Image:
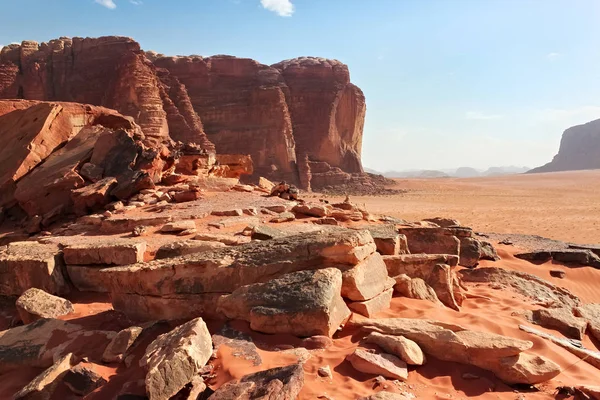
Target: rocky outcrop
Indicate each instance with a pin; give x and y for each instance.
(174, 358)
(502, 355)
(579, 149)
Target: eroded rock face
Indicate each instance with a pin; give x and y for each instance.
(304, 303)
(282, 383)
(174, 358)
(579, 149)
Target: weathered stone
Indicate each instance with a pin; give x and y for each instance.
(325, 372)
(173, 307)
(470, 252)
(434, 240)
(386, 365)
(313, 210)
(440, 277)
(224, 270)
(92, 197)
(186, 196)
(366, 280)
(591, 313)
(238, 212)
(558, 274)
(174, 358)
(25, 265)
(178, 226)
(303, 303)
(283, 217)
(225, 239)
(34, 304)
(388, 240)
(443, 222)
(415, 288)
(561, 319)
(114, 252)
(241, 344)
(116, 225)
(265, 232)
(177, 249)
(370, 307)
(119, 345)
(43, 385)
(283, 383)
(526, 284)
(500, 354)
(82, 380)
(406, 349)
(265, 184)
(40, 343)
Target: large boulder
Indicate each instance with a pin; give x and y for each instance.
(303, 303)
(434, 240)
(284, 383)
(35, 304)
(175, 358)
(561, 319)
(365, 280)
(25, 265)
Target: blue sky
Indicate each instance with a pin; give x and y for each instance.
(448, 83)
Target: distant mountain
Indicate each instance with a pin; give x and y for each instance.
(497, 171)
(579, 149)
(466, 172)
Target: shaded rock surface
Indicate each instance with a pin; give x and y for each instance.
(386, 365)
(35, 304)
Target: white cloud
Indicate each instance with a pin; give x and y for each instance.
(474, 115)
(553, 56)
(136, 2)
(107, 3)
(283, 8)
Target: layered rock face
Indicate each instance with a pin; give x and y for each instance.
(579, 149)
(300, 120)
(111, 72)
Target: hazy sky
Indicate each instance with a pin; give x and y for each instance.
(448, 83)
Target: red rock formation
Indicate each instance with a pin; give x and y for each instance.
(110, 71)
(243, 108)
(328, 112)
(579, 150)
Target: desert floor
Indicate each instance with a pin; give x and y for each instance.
(563, 206)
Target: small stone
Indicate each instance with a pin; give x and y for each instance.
(558, 274)
(283, 217)
(317, 342)
(178, 226)
(82, 380)
(139, 231)
(325, 372)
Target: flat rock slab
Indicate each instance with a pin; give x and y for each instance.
(434, 240)
(303, 303)
(179, 226)
(126, 224)
(35, 304)
(386, 365)
(114, 252)
(25, 265)
(527, 285)
(178, 249)
(283, 383)
(223, 271)
(38, 344)
(561, 319)
(175, 358)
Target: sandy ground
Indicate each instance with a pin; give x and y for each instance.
(563, 206)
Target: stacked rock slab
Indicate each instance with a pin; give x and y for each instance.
(190, 286)
(25, 265)
(436, 270)
(505, 357)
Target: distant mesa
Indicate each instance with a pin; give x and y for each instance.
(579, 150)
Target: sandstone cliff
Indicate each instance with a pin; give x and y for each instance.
(579, 149)
(300, 120)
